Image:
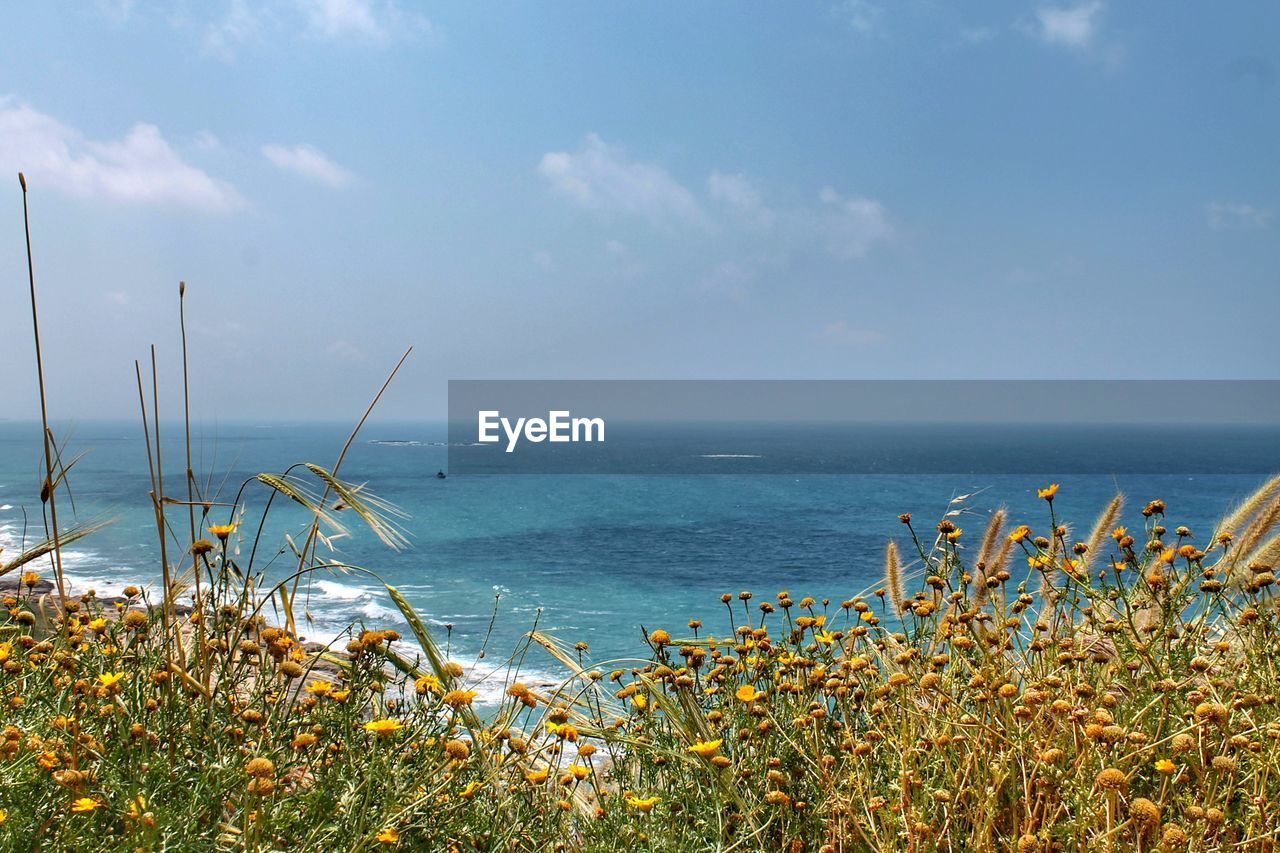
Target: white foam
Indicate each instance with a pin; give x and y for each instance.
(335, 591)
(373, 610)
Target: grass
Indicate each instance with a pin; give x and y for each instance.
(1019, 689)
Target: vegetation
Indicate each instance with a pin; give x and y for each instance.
(1021, 689)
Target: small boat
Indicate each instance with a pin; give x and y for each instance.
(440, 475)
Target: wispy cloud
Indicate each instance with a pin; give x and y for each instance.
(853, 226)
(118, 11)
(361, 19)
(730, 280)
(863, 16)
(601, 177)
(741, 197)
(1074, 26)
(544, 260)
(225, 27)
(977, 35)
(345, 350)
(840, 333)
(141, 167)
(308, 162)
(1226, 215)
(237, 24)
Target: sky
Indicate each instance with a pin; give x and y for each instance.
(583, 190)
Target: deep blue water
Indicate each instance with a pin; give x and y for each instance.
(594, 557)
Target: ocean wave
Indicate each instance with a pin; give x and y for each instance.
(374, 610)
(336, 591)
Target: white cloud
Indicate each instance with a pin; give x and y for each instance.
(223, 27)
(840, 333)
(118, 11)
(543, 260)
(239, 24)
(977, 35)
(738, 193)
(337, 19)
(1225, 215)
(730, 279)
(345, 350)
(853, 226)
(1069, 26)
(141, 167)
(308, 162)
(864, 16)
(602, 177)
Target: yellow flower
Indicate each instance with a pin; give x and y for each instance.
(748, 693)
(339, 695)
(536, 776)
(1020, 533)
(1165, 766)
(1038, 561)
(579, 772)
(564, 731)
(222, 531)
(320, 688)
(955, 535)
(6, 651)
(389, 836)
(1047, 494)
(85, 804)
(644, 804)
(1167, 555)
(640, 700)
(98, 624)
(459, 698)
(109, 678)
(825, 637)
(426, 684)
(30, 578)
(1119, 533)
(4, 815)
(383, 727)
(706, 748)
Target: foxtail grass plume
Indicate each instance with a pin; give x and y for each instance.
(1101, 530)
(993, 543)
(893, 576)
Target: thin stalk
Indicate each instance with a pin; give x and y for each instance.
(308, 548)
(186, 421)
(44, 410)
(157, 498)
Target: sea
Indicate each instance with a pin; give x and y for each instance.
(596, 558)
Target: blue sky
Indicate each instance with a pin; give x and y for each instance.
(591, 190)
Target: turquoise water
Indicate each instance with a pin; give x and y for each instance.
(588, 557)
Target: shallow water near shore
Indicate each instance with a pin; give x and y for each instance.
(588, 558)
